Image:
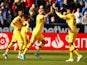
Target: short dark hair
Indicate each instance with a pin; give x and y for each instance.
(70, 8)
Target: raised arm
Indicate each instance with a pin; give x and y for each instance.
(51, 12)
(61, 16)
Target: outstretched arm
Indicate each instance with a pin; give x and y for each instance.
(51, 12)
(61, 16)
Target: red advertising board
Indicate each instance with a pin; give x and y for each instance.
(54, 41)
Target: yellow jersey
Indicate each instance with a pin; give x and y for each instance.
(24, 29)
(17, 23)
(71, 21)
(39, 24)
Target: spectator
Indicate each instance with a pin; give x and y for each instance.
(32, 14)
(52, 19)
(7, 6)
(29, 3)
(85, 1)
(18, 2)
(10, 2)
(82, 2)
(84, 19)
(5, 2)
(75, 4)
(66, 4)
(59, 3)
(33, 9)
(84, 9)
(4, 12)
(40, 2)
(0, 1)
(14, 9)
(48, 5)
(25, 9)
(9, 17)
(78, 16)
(1, 18)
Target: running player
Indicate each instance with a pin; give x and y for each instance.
(37, 32)
(17, 24)
(72, 32)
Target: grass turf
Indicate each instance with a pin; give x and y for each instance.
(47, 58)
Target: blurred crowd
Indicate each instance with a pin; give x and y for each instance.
(9, 8)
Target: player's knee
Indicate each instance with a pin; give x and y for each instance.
(40, 46)
(75, 49)
(8, 48)
(71, 51)
(31, 43)
(13, 42)
(71, 44)
(43, 42)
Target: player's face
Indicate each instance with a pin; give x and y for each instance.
(68, 11)
(20, 13)
(41, 10)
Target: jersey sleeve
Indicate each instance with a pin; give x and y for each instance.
(14, 22)
(61, 16)
(41, 16)
(15, 19)
(12, 25)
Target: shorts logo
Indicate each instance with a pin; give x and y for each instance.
(4, 40)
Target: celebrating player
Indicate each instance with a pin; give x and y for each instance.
(37, 32)
(17, 24)
(72, 32)
(25, 30)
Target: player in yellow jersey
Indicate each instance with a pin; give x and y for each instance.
(17, 24)
(37, 32)
(24, 31)
(72, 32)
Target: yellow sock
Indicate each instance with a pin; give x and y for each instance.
(41, 46)
(19, 52)
(71, 54)
(28, 46)
(7, 51)
(25, 50)
(9, 46)
(76, 52)
(24, 47)
(72, 47)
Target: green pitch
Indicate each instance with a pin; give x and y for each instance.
(48, 58)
